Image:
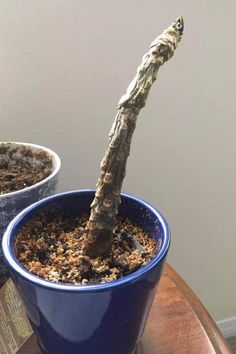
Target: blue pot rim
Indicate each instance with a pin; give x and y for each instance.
(15, 266)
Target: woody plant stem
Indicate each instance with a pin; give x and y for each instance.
(104, 208)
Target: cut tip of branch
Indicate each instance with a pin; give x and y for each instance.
(178, 24)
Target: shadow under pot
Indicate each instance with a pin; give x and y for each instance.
(104, 318)
(28, 173)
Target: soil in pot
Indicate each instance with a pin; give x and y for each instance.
(53, 250)
(20, 167)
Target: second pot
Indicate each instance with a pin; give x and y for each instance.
(13, 202)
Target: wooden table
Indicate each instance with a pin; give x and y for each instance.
(178, 323)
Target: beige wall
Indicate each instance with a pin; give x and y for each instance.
(63, 67)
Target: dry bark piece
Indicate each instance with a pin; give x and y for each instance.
(135, 244)
(104, 208)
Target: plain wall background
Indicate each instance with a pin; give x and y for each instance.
(63, 67)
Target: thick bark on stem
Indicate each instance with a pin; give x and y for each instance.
(104, 208)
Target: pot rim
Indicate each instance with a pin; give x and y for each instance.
(46, 284)
(55, 170)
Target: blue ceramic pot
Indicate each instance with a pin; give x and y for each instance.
(12, 203)
(103, 319)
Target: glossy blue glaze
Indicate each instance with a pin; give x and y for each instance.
(103, 319)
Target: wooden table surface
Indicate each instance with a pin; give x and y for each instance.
(178, 323)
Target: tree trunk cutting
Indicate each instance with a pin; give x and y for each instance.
(104, 207)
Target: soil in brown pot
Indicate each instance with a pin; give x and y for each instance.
(53, 250)
(20, 167)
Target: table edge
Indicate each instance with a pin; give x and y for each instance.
(215, 336)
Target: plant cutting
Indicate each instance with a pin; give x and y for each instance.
(88, 281)
(28, 173)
